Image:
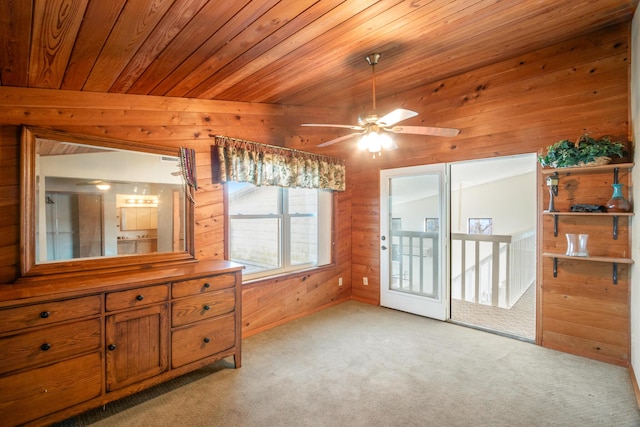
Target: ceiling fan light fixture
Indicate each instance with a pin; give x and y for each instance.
(103, 187)
(375, 141)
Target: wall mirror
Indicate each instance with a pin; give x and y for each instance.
(91, 203)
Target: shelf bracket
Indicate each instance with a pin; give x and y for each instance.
(555, 225)
(615, 227)
(555, 267)
(615, 273)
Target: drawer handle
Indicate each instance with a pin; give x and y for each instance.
(112, 347)
(45, 346)
(45, 314)
(140, 297)
(206, 307)
(207, 285)
(206, 340)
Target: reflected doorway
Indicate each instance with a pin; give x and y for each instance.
(493, 238)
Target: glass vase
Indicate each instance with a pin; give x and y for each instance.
(577, 244)
(618, 203)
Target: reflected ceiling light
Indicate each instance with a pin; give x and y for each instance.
(103, 187)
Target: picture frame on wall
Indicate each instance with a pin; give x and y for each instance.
(480, 226)
(431, 225)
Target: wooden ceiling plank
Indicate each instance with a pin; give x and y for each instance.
(301, 29)
(180, 14)
(211, 17)
(247, 65)
(487, 53)
(440, 63)
(446, 30)
(266, 26)
(230, 29)
(368, 28)
(15, 40)
(99, 19)
(134, 25)
(56, 25)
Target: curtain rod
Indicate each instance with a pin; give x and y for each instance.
(277, 147)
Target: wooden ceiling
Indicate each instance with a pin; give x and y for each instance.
(294, 52)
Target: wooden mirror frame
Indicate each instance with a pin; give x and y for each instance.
(28, 264)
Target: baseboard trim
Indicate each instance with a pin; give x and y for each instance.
(365, 300)
(251, 332)
(634, 381)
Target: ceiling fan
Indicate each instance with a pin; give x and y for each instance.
(375, 130)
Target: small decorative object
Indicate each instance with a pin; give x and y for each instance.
(618, 203)
(582, 207)
(577, 244)
(552, 183)
(586, 151)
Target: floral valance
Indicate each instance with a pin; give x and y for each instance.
(263, 165)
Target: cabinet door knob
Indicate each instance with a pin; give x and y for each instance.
(206, 340)
(45, 346)
(207, 285)
(44, 314)
(140, 297)
(206, 307)
(112, 347)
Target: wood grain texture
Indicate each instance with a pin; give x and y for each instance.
(55, 26)
(289, 52)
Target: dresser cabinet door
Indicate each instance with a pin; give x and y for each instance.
(137, 345)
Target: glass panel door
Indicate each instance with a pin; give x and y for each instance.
(413, 240)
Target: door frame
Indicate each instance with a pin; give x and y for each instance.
(429, 307)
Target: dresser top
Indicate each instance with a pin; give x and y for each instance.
(34, 289)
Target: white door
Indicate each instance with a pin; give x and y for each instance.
(413, 240)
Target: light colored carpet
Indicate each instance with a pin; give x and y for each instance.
(360, 365)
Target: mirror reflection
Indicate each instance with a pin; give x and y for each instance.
(103, 202)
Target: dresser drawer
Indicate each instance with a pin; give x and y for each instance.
(48, 345)
(50, 312)
(202, 339)
(201, 307)
(205, 284)
(137, 297)
(39, 392)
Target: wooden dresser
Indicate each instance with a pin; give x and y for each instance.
(70, 344)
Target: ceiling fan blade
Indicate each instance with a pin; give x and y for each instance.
(328, 125)
(341, 138)
(395, 116)
(424, 130)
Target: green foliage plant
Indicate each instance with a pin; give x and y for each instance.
(584, 151)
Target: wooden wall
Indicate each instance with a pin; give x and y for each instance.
(517, 106)
(512, 107)
(174, 122)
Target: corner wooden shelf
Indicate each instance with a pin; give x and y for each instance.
(587, 169)
(613, 260)
(613, 215)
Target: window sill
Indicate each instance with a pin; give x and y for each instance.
(304, 274)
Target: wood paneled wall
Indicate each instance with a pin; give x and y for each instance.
(512, 107)
(174, 122)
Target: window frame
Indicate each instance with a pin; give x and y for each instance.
(326, 209)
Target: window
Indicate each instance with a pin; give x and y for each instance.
(274, 230)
